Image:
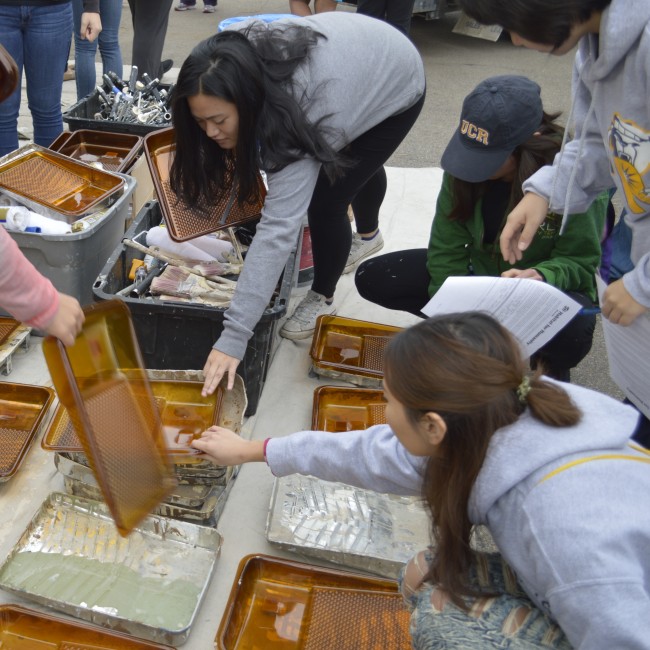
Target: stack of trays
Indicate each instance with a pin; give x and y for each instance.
(203, 487)
(350, 350)
(286, 605)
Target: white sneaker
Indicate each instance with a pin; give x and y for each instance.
(362, 248)
(302, 323)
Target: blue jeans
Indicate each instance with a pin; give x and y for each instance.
(38, 39)
(110, 12)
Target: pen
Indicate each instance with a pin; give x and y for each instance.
(589, 311)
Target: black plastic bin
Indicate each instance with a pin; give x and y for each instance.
(180, 335)
(82, 116)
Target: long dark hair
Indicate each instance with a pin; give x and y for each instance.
(253, 70)
(467, 368)
(537, 151)
(547, 22)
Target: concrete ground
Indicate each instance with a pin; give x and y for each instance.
(454, 65)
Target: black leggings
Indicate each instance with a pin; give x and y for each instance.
(363, 186)
(400, 280)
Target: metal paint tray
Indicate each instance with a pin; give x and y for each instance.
(278, 604)
(101, 382)
(150, 584)
(116, 152)
(182, 221)
(7, 327)
(351, 350)
(356, 528)
(64, 186)
(184, 413)
(22, 628)
(347, 409)
(22, 409)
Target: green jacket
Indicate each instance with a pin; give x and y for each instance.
(568, 262)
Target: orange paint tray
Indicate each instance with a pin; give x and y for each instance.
(22, 409)
(184, 412)
(279, 604)
(352, 350)
(347, 409)
(182, 221)
(22, 628)
(59, 183)
(7, 327)
(116, 152)
(102, 383)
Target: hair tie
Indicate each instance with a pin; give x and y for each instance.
(523, 389)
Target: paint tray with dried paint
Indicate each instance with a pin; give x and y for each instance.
(339, 408)
(22, 628)
(279, 604)
(102, 383)
(350, 350)
(22, 409)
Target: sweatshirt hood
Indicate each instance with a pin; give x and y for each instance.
(622, 24)
(520, 450)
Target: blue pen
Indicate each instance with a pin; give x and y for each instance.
(589, 311)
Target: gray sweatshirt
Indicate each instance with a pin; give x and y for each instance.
(365, 72)
(611, 109)
(579, 541)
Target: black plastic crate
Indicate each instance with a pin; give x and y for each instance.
(176, 335)
(82, 116)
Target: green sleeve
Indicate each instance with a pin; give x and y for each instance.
(576, 253)
(448, 252)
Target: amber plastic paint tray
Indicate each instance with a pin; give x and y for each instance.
(7, 327)
(184, 412)
(22, 409)
(347, 409)
(22, 628)
(57, 182)
(102, 384)
(150, 584)
(182, 221)
(278, 604)
(116, 152)
(353, 350)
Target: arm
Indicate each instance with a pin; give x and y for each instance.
(448, 253)
(372, 458)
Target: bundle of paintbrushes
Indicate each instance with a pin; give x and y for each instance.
(176, 282)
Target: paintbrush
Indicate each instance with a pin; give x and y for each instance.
(175, 281)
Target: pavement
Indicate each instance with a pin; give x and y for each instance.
(454, 65)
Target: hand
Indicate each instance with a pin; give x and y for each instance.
(217, 365)
(523, 273)
(521, 226)
(225, 447)
(91, 25)
(67, 321)
(618, 306)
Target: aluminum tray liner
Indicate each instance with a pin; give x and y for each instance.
(150, 584)
(22, 410)
(183, 222)
(350, 350)
(338, 408)
(288, 605)
(63, 187)
(101, 382)
(355, 528)
(22, 628)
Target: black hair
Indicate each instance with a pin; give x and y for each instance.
(547, 22)
(253, 70)
(538, 151)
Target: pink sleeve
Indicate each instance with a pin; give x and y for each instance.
(27, 295)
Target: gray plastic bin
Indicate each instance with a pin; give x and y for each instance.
(72, 262)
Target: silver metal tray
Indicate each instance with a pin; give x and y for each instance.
(345, 525)
(149, 584)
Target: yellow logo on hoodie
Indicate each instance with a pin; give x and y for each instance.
(630, 147)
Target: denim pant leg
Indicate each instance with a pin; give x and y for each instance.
(46, 47)
(84, 55)
(11, 37)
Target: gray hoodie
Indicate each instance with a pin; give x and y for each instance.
(611, 109)
(579, 540)
(365, 72)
